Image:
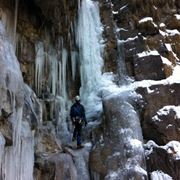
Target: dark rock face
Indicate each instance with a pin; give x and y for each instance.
(111, 46)
(147, 28)
(144, 21)
(160, 96)
(149, 67)
(163, 158)
(6, 129)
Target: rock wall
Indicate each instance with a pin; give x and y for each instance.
(150, 36)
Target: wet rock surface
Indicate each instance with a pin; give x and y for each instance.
(119, 149)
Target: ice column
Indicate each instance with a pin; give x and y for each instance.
(39, 69)
(89, 35)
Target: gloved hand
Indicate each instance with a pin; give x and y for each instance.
(73, 121)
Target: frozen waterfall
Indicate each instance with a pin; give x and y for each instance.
(16, 160)
(89, 35)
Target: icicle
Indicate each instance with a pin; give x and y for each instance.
(63, 80)
(27, 152)
(59, 78)
(15, 22)
(54, 73)
(12, 154)
(40, 64)
(73, 64)
(2, 145)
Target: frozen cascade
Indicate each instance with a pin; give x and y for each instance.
(39, 68)
(123, 77)
(18, 159)
(21, 155)
(63, 74)
(73, 63)
(89, 34)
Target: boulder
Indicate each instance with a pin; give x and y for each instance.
(157, 126)
(149, 67)
(46, 140)
(163, 158)
(55, 166)
(148, 27)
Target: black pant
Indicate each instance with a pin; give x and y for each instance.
(77, 133)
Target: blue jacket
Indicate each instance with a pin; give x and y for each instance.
(77, 110)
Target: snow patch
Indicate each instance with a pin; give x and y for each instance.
(177, 16)
(159, 175)
(166, 61)
(162, 25)
(145, 19)
(163, 33)
(173, 32)
(115, 12)
(127, 40)
(173, 147)
(149, 90)
(136, 143)
(165, 111)
(168, 126)
(148, 53)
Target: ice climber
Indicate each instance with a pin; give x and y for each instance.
(78, 118)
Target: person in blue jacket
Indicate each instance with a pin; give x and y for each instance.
(78, 118)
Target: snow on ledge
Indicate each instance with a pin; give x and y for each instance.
(173, 148)
(146, 19)
(162, 25)
(148, 53)
(173, 32)
(165, 111)
(177, 16)
(166, 61)
(115, 12)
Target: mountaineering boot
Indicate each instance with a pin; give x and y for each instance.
(79, 146)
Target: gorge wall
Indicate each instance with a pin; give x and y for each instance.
(122, 57)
